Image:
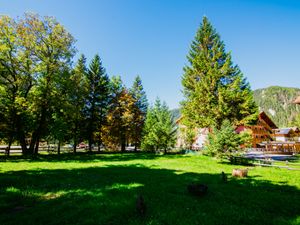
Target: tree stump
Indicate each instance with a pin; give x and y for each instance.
(140, 206)
(223, 177)
(240, 172)
(197, 189)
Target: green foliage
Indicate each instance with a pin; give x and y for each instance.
(225, 142)
(35, 53)
(139, 111)
(277, 102)
(214, 89)
(160, 129)
(120, 116)
(43, 97)
(296, 121)
(97, 101)
(77, 94)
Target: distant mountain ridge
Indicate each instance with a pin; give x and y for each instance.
(275, 101)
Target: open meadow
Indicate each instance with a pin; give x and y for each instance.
(103, 188)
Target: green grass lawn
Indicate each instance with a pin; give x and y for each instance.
(102, 189)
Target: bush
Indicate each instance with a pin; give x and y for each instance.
(225, 142)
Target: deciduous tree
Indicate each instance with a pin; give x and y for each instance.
(52, 48)
(120, 116)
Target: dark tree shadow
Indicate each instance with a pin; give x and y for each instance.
(86, 157)
(106, 195)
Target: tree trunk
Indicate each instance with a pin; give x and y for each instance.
(123, 141)
(32, 143)
(99, 145)
(90, 144)
(7, 150)
(99, 140)
(123, 147)
(75, 144)
(21, 134)
(38, 132)
(58, 147)
(36, 150)
(100, 134)
(23, 144)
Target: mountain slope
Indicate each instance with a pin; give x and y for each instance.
(277, 102)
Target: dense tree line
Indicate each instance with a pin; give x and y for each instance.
(44, 97)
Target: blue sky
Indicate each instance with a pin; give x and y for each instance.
(152, 37)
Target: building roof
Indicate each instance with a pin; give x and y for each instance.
(262, 115)
(295, 129)
(283, 131)
(297, 100)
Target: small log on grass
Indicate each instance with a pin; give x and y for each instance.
(140, 206)
(223, 177)
(197, 189)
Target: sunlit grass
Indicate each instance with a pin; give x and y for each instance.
(102, 189)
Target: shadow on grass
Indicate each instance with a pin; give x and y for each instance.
(86, 156)
(106, 195)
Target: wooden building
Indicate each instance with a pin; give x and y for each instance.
(262, 131)
(266, 136)
(200, 139)
(287, 134)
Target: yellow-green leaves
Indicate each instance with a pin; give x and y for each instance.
(34, 54)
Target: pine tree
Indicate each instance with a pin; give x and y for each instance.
(97, 100)
(214, 89)
(139, 111)
(225, 142)
(160, 129)
(77, 93)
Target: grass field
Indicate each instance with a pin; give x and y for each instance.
(102, 189)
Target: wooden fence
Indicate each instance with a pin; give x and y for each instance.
(49, 149)
(278, 148)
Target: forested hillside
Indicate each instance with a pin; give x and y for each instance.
(277, 102)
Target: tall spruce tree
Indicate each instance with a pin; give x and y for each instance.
(97, 100)
(139, 111)
(77, 93)
(214, 88)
